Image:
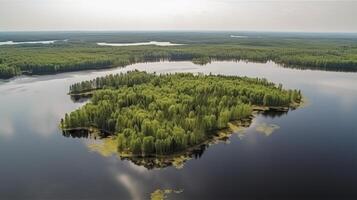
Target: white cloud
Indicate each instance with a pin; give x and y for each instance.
(296, 15)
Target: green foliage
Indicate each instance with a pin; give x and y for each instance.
(337, 54)
(162, 114)
(8, 72)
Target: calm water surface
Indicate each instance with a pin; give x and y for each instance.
(32, 42)
(313, 153)
(138, 44)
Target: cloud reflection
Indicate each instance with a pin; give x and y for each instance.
(6, 127)
(346, 91)
(128, 182)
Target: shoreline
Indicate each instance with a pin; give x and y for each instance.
(177, 159)
(197, 60)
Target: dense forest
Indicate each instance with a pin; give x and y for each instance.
(8, 72)
(154, 114)
(339, 55)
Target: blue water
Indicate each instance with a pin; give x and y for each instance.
(312, 155)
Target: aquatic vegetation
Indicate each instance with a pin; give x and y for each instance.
(163, 194)
(178, 162)
(105, 147)
(156, 115)
(238, 128)
(266, 129)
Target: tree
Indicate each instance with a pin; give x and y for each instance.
(176, 111)
(148, 145)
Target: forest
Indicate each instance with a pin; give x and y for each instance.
(38, 59)
(151, 114)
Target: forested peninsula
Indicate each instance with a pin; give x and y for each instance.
(155, 115)
(38, 59)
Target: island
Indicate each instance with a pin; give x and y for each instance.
(158, 115)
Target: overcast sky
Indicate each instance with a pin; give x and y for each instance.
(266, 15)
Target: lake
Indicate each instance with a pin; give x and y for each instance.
(31, 42)
(308, 152)
(138, 44)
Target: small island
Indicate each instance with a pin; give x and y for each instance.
(151, 115)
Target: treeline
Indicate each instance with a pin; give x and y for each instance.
(40, 69)
(161, 114)
(323, 62)
(8, 72)
(112, 81)
(78, 56)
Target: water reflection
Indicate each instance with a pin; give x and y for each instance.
(6, 127)
(85, 133)
(139, 44)
(330, 68)
(312, 155)
(80, 98)
(130, 185)
(274, 114)
(107, 147)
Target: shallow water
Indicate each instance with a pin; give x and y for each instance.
(308, 152)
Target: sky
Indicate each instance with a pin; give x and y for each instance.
(234, 15)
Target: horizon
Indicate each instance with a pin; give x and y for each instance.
(178, 99)
(178, 31)
(179, 15)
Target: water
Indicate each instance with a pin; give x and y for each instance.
(239, 36)
(312, 153)
(138, 44)
(32, 42)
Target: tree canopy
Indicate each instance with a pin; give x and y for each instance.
(74, 56)
(161, 114)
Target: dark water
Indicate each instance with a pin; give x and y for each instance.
(312, 155)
